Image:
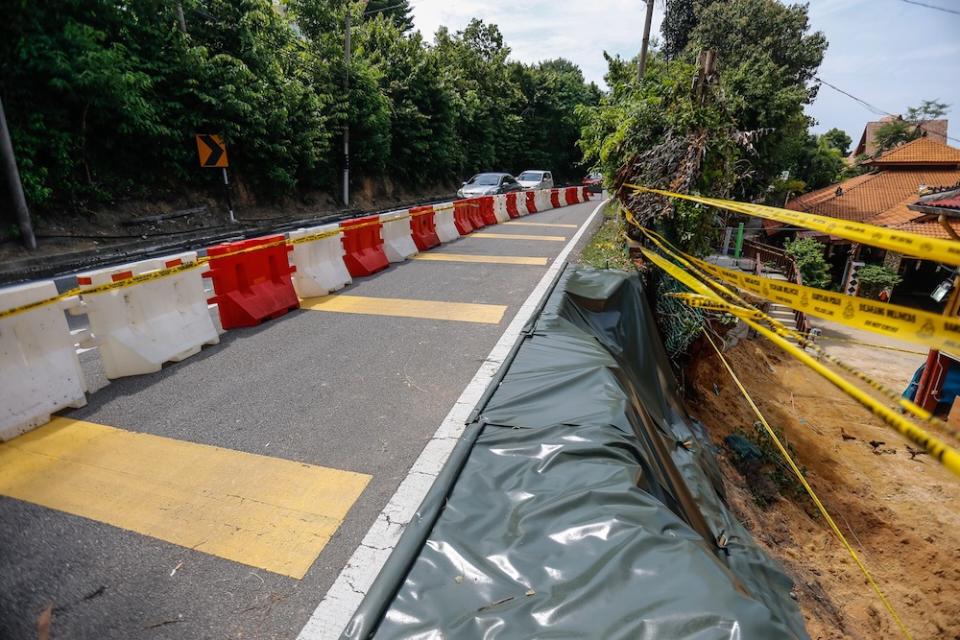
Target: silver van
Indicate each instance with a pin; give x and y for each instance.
(535, 179)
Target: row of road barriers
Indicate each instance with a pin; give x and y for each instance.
(146, 313)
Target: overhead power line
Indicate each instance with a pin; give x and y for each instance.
(874, 109)
(932, 6)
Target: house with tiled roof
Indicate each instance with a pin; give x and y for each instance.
(935, 130)
(884, 197)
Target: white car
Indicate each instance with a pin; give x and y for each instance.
(535, 179)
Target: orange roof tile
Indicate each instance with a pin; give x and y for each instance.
(866, 197)
(922, 151)
(930, 228)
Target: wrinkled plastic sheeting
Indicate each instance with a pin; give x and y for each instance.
(563, 522)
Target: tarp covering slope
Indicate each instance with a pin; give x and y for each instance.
(582, 503)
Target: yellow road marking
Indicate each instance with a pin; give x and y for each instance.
(558, 225)
(463, 257)
(517, 236)
(429, 309)
(264, 512)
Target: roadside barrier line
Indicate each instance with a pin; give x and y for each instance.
(336, 609)
(203, 260)
(945, 454)
(799, 474)
(782, 330)
(937, 249)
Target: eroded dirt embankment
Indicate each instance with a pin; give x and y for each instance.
(900, 511)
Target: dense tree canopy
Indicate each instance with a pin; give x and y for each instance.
(731, 128)
(104, 96)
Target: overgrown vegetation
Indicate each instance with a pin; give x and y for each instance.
(809, 256)
(726, 124)
(719, 112)
(607, 250)
(756, 456)
(902, 130)
(875, 278)
(104, 96)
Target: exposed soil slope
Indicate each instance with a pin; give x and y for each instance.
(902, 514)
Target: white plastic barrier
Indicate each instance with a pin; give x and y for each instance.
(320, 266)
(139, 327)
(39, 369)
(443, 218)
(543, 200)
(500, 207)
(397, 241)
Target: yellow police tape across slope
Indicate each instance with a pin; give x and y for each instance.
(947, 455)
(893, 320)
(805, 343)
(936, 249)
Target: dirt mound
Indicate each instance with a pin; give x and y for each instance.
(900, 511)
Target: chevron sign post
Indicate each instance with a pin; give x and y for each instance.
(212, 153)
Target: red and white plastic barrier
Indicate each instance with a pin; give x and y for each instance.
(542, 199)
(446, 227)
(423, 227)
(319, 263)
(529, 202)
(139, 327)
(398, 244)
(39, 370)
(363, 246)
(500, 208)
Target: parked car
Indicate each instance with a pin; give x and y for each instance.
(488, 184)
(594, 182)
(535, 179)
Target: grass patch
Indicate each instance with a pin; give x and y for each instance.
(607, 249)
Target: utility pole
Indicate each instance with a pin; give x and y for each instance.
(346, 124)
(642, 65)
(14, 186)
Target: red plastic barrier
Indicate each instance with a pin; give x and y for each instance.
(555, 198)
(584, 194)
(512, 205)
(486, 210)
(531, 198)
(570, 195)
(423, 228)
(251, 286)
(364, 246)
(461, 217)
(473, 211)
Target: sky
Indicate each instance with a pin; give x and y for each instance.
(889, 53)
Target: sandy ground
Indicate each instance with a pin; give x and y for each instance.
(901, 514)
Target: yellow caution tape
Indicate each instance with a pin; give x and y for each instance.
(947, 455)
(712, 305)
(936, 249)
(896, 321)
(813, 496)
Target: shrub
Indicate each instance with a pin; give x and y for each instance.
(874, 278)
(808, 254)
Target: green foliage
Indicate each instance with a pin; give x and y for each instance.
(808, 254)
(902, 130)
(679, 19)
(104, 97)
(396, 11)
(839, 140)
(874, 278)
(607, 250)
(731, 133)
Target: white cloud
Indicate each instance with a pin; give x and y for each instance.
(537, 30)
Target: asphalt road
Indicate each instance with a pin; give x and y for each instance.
(358, 393)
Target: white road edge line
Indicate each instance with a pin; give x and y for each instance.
(336, 609)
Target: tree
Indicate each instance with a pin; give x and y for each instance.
(397, 11)
(808, 254)
(902, 130)
(679, 19)
(875, 278)
(839, 140)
